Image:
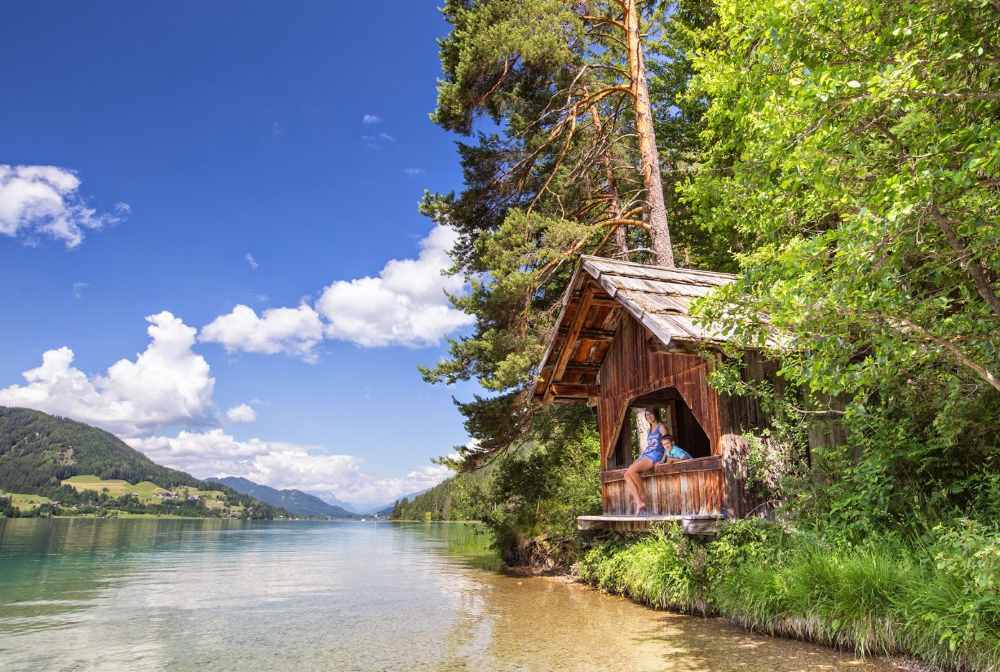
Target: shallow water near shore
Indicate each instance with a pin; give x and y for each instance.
(112, 595)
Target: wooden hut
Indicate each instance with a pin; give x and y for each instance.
(624, 340)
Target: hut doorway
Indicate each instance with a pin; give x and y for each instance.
(674, 413)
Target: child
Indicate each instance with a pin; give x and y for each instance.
(671, 451)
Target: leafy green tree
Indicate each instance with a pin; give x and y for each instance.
(539, 490)
(853, 148)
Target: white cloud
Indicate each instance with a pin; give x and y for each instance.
(241, 413)
(283, 465)
(251, 262)
(45, 200)
(386, 137)
(371, 119)
(167, 383)
(412, 172)
(203, 454)
(376, 491)
(404, 305)
(78, 288)
(294, 331)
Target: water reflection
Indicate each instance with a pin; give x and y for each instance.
(219, 595)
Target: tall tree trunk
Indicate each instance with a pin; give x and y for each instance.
(649, 156)
(641, 426)
(614, 200)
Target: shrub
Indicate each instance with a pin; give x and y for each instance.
(951, 613)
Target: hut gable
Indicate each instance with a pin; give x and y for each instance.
(600, 293)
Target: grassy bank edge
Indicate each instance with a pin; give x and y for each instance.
(883, 599)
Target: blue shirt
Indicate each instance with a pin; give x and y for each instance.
(679, 453)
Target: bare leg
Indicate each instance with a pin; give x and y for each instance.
(633, 481)
(640, 495)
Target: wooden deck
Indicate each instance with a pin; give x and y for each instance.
(700, 524)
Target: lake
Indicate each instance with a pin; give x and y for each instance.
(207, 595)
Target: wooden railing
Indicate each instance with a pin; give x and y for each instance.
(691, 487)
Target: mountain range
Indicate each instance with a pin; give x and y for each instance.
(295, 502)
(307, 504)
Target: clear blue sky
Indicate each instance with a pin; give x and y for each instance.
(228, 128)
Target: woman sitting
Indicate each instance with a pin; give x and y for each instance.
(660, 448)
(654, 453)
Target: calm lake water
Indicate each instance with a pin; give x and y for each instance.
(136, 595)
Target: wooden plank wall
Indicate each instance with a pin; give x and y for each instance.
(631, 369)
(693, 487)
(739, 415)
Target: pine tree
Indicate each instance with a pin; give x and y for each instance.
(570, 166)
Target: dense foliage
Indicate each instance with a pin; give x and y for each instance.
(843, 157)
(854, 146)
(529, 497)
(554, 177)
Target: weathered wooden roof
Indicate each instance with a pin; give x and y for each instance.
(659, 298)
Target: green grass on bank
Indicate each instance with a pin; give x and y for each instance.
(28, 503)
(146, 492)
(24, 502)
(937, 600)
(153, 501)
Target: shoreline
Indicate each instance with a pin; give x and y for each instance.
(568, 577)
(904, 663)
(855, 600)
(873, 600)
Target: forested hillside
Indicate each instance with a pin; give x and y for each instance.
(530, 496)
(39, 451)
(456, 498)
